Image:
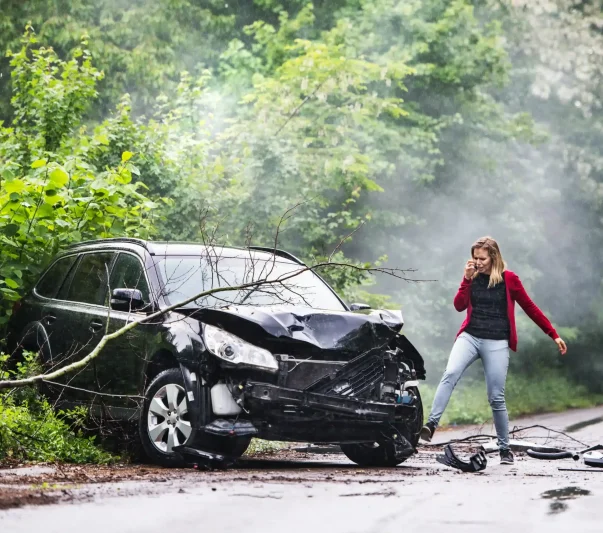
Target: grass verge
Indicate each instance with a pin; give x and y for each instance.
(525, 395)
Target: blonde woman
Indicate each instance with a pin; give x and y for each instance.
(488, 292)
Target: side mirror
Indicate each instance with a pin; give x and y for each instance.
(127, 300)
(359, 307)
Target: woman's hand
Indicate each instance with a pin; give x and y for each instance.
(562, 345)
(469, 269)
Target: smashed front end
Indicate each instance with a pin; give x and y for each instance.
(312, 376)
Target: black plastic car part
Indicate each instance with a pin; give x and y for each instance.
(561, 454)
(356, 379)
(476, 462)
(264, 395)
(402, 448)
(207, 460)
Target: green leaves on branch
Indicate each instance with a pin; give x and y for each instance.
(51, 191)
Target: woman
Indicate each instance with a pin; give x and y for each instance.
(488, 292)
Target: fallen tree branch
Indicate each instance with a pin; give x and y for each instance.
(93, 392)
(516, 430)
(32, 380)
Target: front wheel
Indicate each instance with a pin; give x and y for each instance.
(381, 454)
(164, 423)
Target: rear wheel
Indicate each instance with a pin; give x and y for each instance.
(381, 454)
(165, 423)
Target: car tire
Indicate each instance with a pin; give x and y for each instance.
(382, 454)
(159, 431)
(414, 428)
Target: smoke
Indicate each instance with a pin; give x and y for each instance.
(539, 201)
(535, 199)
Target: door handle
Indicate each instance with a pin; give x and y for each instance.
(49, 319)
(95, 325)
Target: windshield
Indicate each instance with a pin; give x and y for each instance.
(186, 276)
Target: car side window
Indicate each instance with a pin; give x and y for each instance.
(89, 283)
(128, 273)
(51, 282)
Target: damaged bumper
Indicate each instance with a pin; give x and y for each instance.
(266, 397)
(274, 412)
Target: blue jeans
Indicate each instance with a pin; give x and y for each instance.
(495, 357)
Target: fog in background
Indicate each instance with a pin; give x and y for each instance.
(540, 201)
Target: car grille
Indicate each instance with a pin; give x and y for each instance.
(356, 379)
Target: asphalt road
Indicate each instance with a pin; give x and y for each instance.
(298, 492)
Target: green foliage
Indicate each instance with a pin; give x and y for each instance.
(51, 191)
(30, 429)
(308, 109)
(264, 447)
(137, 44)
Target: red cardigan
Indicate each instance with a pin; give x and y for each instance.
(515, 293)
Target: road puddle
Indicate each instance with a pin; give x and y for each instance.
(560, 495)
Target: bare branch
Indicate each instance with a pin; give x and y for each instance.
(109, 297)
(93, 392)
(343, 240)
(303, 102)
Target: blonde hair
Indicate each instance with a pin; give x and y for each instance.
(498, 263)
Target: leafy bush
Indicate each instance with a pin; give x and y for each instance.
(30, 429)
(51, 192)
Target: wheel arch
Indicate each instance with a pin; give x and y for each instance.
(161, 360)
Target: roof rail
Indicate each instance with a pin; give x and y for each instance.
(131, 240)
(278, 253)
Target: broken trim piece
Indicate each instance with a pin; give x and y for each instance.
(476, 462)
(593, 458)
(208, 460)
(518, 445)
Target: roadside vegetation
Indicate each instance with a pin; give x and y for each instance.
(469, 403)
(31, 430)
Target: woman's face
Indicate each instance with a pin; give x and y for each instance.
(482, 260)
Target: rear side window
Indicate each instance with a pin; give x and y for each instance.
(128, 274)
(51, 282)
(89, 283)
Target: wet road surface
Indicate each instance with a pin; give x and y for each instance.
(310, 492)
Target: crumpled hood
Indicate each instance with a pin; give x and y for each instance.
(303, 329)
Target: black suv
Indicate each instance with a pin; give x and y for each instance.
(284, 361)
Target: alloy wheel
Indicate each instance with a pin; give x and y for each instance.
(167, 420)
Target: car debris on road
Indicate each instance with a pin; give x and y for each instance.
(476, 463)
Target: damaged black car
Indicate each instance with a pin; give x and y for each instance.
(285, 360)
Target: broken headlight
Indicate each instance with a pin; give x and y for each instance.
(231, 348)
